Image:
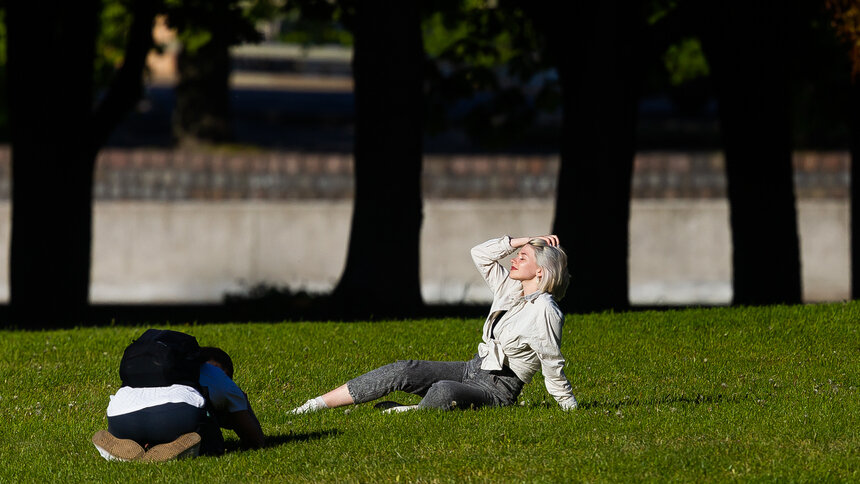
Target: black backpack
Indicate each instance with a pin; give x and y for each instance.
(160, 358)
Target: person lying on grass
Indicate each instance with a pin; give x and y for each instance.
(157, 424)
(521, 335)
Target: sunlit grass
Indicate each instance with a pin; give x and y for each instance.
(696, 395)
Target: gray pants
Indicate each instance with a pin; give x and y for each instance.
(443, 384)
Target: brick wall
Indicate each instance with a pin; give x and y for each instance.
(158, 174)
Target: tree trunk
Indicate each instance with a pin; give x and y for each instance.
(56, 134)
(747, 45)
(50, 66)
(600, 70)
(381, 276)
(202, 112)
(855, 187)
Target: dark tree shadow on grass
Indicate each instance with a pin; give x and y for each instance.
(260, 304)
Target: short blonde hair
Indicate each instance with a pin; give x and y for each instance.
(553, 261)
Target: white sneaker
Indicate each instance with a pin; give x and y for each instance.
(400, 408)
(311, 405)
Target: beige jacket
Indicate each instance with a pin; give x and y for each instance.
(528, 336)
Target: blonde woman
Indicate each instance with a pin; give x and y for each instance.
(521, 335)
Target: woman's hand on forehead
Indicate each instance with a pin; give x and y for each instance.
(549, 239)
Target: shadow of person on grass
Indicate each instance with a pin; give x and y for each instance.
(233, 445)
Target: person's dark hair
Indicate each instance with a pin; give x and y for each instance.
(218, 355)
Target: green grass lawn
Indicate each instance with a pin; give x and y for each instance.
(749, 394)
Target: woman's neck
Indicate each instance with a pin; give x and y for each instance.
(530, 286)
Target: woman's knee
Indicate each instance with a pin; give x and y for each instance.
(405, 366)
(382, 380)
(440, 395)
(404, 372)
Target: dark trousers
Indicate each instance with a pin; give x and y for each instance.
(158, 424)
(165, 423)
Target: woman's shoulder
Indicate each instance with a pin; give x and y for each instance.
(546, 302)
(546, 299)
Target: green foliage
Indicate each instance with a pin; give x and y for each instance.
(199, 21)
(713, 395)
(685, 61)
(440, 32)
(490, 59)
(307, 31)
(318, 22)
(822, 74)
(194, 39)
(477, 34)
(114, 23)
(846, 22)
(481, 58)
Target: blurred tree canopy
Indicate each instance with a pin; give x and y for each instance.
(199, 24)
(324, 26)
(206, 31)
(114, 24)
(489, 75)
(685, 61)
(486, 61)
(846, 23)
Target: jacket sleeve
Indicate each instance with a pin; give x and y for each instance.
(548, 349)
(486, 257)
(224, 394)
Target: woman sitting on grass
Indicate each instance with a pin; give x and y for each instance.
(521, 336)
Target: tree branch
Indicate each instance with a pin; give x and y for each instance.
(683, 21)
(127, 85)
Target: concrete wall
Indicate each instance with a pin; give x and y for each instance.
(680, 251)
(198, 251)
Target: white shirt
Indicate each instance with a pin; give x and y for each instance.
(223, 393)
(129, 399)
(528, 336)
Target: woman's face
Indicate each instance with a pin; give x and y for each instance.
(524, 265)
